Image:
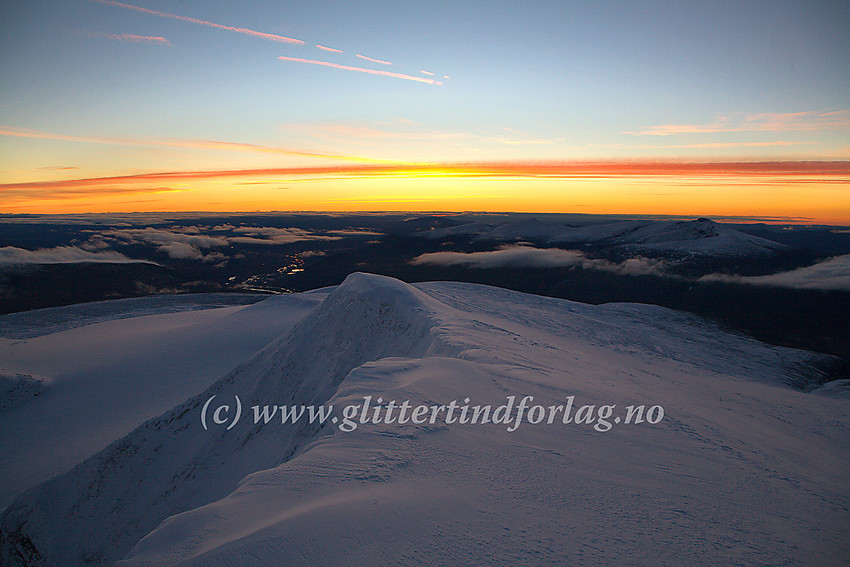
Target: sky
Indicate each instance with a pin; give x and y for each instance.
(722, 109)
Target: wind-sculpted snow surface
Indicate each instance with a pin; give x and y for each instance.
(69, 392)
(38, 322)
(744, 468)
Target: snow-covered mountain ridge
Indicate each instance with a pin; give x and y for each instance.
(743, 468)
(701, 236)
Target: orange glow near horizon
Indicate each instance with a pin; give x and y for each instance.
(805, 192)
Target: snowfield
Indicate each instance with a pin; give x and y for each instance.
(38, 322)
(748, 465)
(70, 388)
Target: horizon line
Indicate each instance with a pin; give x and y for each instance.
(721, 219)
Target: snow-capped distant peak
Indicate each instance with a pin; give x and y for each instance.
(700, 236)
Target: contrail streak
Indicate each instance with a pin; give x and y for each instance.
(246, 31)
(276, 38)
(155, 40)
(363, 70)
(382, 62)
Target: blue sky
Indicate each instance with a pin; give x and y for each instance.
(85, 80)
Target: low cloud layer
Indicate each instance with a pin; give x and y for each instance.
(163, 237)
(200, 242)
(530, 257)
(11, 256)
(186, 245)
(506, 257)
(270, 235)
(355, 232)
(832, 274)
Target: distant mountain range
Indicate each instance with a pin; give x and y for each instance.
(701, 236)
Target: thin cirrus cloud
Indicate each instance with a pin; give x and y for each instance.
(175, 142)
(74, 190)
(716, 145)
(382, 130)
(246, 31)
(362, 70)
(517, 137)
(761, 122)
(149, 39)
(522, 141)
(795, 171)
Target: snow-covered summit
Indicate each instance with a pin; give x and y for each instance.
(733, 473)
